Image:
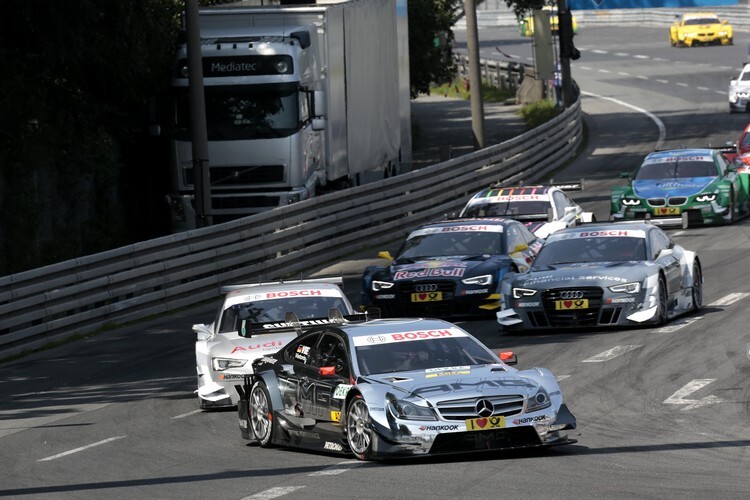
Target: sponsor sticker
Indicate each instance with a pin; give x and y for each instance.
(567, 305)
(517, 197)
(666, 210)
(341, 391)
(449, 272)
(528, 304)
(447, 427)
(465, 228)
(335, 416)
(529, 420)
(389, 338)
(285, 294)
(621, 300)
(274, 345)
(332, 446)
(485, 424)
(302, 353)
(447, 374)
(427, 297)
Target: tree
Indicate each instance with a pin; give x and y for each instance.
(431, 42)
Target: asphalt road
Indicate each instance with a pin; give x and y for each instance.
(662, 413)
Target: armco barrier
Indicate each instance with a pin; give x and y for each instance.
(79, 296)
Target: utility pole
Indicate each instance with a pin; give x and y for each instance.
(199, 135)
(475, 75)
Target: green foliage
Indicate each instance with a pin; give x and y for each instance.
(429, 62)
(458, 88)
(538, 113)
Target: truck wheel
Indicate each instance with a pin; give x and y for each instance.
(261, 414)
(359, 433)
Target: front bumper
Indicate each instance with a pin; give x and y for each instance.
(408, 438)
(479, 302)
(689, 215)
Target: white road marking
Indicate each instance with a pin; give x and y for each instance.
(642, 77)
(662, 81)
(70, 452)
(677, 325)
(562, 377)
(611, 353)
(678, 398)
(640, 56)
(599, 51)
(338, 468)
(678, 233)
(703, 88)
(187, 414)
(654, 118)
(273, 493)
(622, 54)
(623, 73)
(587, 68)
(604, 71)
(728, 299)
(720, 92)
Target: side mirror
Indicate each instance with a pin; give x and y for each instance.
(203, 331)
(508, 357)
(666, 252)
(327, 371)
(385, 255)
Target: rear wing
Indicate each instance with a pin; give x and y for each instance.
(293, 323)
(565, 186)
(336, 280)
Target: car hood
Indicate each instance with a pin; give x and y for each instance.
(586, 274)
(665, 188)
(456, 267)
(456, 382)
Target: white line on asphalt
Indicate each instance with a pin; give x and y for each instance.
(604, 71)
(273, 493)
(562, 377)
(587, 68)
(623, 73)
(662, 81)
(703, 88)
(656, 120)
(642, 77)
(187, 414)
(80, 449)
(611, 353)
(599, 51)
(338, 468)
(622, 54)
(639, 56)
(681, 84)
(678, 398)
(728, 299)
(677, 325)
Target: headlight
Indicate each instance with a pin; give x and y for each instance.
(221, 364)
(705, 197)
(381, 285)
(626, 288)
(408, 411)
(485, 279)
(539, 401)
(629, 202)
(523, 292)
(722, 33)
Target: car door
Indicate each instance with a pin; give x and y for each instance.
(663, 254)
(298, 374)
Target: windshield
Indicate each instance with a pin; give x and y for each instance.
(458, 243)
(509, 208)
(422, 355)
(581, 250)
(676, 170)
(701, 20)
(238, 113)
(274, 310)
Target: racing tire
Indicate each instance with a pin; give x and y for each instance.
(260, 418)
(731, 207)
(661, 307)
(359, 434)
(697, 292)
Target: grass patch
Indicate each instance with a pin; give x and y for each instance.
(489, 92)
(538, 113)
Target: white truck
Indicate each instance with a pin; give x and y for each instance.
(298, 98)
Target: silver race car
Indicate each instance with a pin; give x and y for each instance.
(390, 388)
(252, 323)
(604, 275)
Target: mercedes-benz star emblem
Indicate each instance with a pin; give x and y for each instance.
(484, 408)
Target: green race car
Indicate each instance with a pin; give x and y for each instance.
(683, 187)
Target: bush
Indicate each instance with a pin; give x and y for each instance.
(538, 112)
(458, 88)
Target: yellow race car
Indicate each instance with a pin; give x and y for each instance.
(527, 24)
(700, 28)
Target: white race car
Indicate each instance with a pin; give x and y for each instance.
(253, 322)
(544, 209)
(739, 91)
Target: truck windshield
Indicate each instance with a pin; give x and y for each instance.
(242, 113)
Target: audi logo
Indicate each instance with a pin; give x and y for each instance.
(484, 408)
(571, 294)
(426, 288)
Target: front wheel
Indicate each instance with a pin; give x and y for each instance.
(697, 293)
(359, 428)
(661, 312)
(261, 419)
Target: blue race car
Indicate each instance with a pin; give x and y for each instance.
(451, 268)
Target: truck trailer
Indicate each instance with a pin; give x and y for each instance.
(299, 99)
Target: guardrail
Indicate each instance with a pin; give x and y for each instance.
(737, 15)
(80, 296)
